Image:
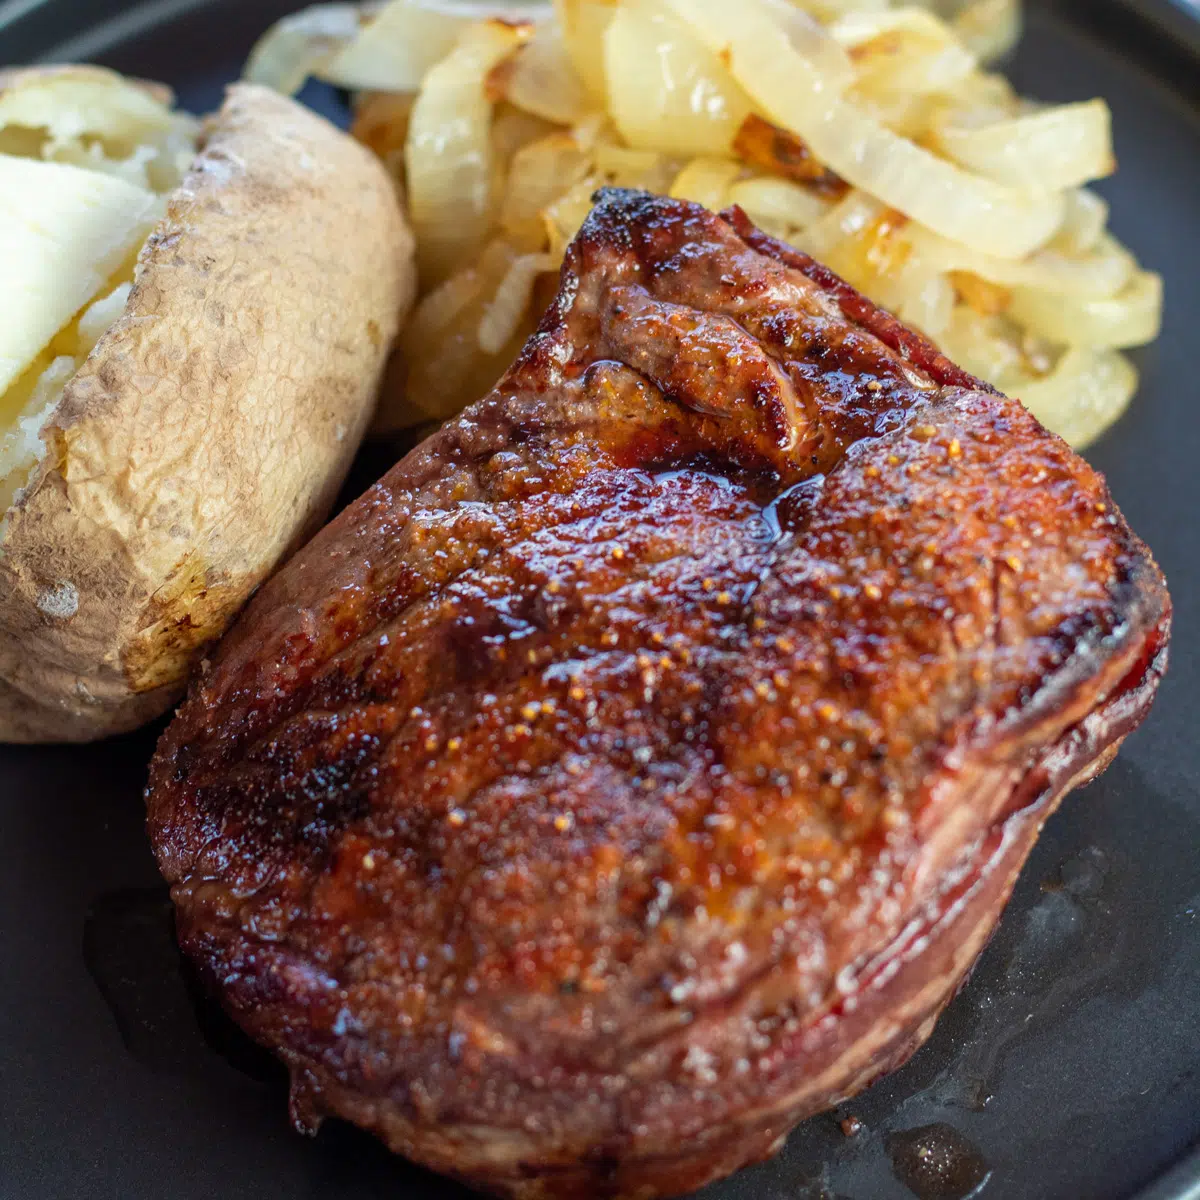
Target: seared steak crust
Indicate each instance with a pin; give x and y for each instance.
(640, 765)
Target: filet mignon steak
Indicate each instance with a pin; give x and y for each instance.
(641, 764)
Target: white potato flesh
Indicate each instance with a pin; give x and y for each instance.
(69, 105)
(86, 159)
(63, 232)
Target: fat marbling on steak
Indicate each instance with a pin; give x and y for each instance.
(641, 764)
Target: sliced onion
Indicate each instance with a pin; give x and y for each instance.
(778, 205)
(987, 299)
(448, 154)
(706, 181)
(1133, 317)
(513, 129)
(989, 28)
(544, 82)
(301, 44)
(539, 174)
(370, 47)
(1103, 272)
(922, 73)
(860, 26)
(563, 218)
(1055, 149)
(903, 51)
(927, 302)
(955, 189)
(381, 123)
(506, 310)
(1084, 223)
(666, 90)
(848, 218)
(809, 39)
(982, 98)
(397, 46)
(445, 366)
(623, 167)
(988, 347)
(830, 10)
(582, 24)
(780, 152)
(395, 50)
(439, 308)
(589, 131)
(956, 203)
(868, 246)
(1083, 395)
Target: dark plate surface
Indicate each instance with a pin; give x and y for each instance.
(1069, 1068)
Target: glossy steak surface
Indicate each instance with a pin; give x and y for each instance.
(641, 764)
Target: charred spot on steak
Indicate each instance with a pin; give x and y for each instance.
(640, 765)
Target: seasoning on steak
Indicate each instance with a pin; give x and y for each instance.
(641, 764)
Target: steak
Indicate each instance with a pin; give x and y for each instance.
(639, 767)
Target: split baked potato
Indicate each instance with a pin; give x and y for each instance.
(193, 323)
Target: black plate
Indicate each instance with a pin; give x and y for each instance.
(1069, 1068)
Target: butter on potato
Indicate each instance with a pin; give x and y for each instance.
(191, 339)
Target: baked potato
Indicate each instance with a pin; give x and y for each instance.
(193, 323)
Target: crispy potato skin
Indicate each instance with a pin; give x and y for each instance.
(206, 436)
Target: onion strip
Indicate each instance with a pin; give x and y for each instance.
(812, 41)
(506, 310)
(989, 28)
(539, 174)
(1133, 317)
(667, 91)
(777, 204)
(448, 154)
(1083, 396)
(300, 45)
(1055, 149)
(582, 24)
(706, 181)
(1084, 224)
(1103, 272)
(959, 205)
(542, 80)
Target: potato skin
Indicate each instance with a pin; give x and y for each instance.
(206, 436)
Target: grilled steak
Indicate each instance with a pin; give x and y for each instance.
(641, 764)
